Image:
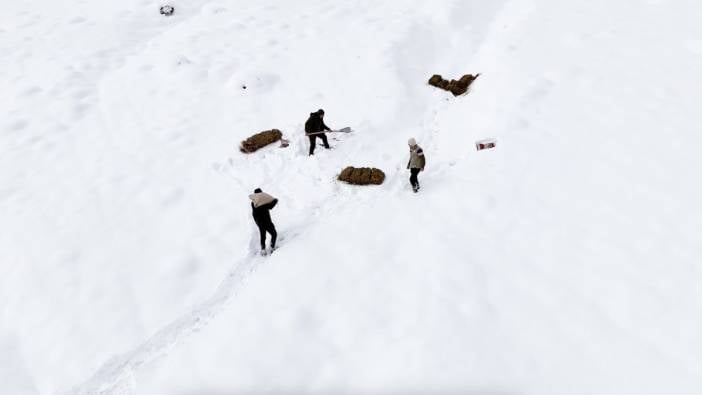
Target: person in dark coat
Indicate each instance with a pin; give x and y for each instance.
(261, 206)
(315, 127)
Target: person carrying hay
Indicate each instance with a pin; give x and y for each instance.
(261, 206)
(315, 127)
(416, 163)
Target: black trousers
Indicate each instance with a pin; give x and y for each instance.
(413, 178)
(270, 228)
(313, 141)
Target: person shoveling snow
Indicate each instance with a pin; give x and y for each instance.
(315, 127)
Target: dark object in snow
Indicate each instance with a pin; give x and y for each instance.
(167, 10)
(260, 140)
(284, 143)
(485, 144)
(362, 176)
(457, 87)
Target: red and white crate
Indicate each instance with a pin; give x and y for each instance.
(485, 144)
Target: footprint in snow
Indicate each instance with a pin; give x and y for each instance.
(77, 20)
(18, 125)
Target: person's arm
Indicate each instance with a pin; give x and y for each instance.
(422, 159)
(268, 206)
(324, 126)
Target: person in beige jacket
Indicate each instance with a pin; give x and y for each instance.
(416, 163)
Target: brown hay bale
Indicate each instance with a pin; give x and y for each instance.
(468, 79)
(346, 173)
(260, 140)
(457, 87)
(377, 176)
(461, 86)
(362, 176)
(435, 80)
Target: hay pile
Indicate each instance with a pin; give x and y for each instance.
(457, 87)
(362, 176)
(260, 140)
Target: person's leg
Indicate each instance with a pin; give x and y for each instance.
(324, 140)
(274, 235)
(262, 232)
(313, 142)
(413, 178)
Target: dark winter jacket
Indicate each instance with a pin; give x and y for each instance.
(417, 160)
(262, 214)
(315, 124)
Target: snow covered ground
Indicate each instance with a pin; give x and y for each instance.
(565, 261)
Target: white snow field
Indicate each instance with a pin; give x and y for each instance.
(567, 260)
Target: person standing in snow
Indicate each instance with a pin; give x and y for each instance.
(416, 163)
(261, 205)
(315, 127)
